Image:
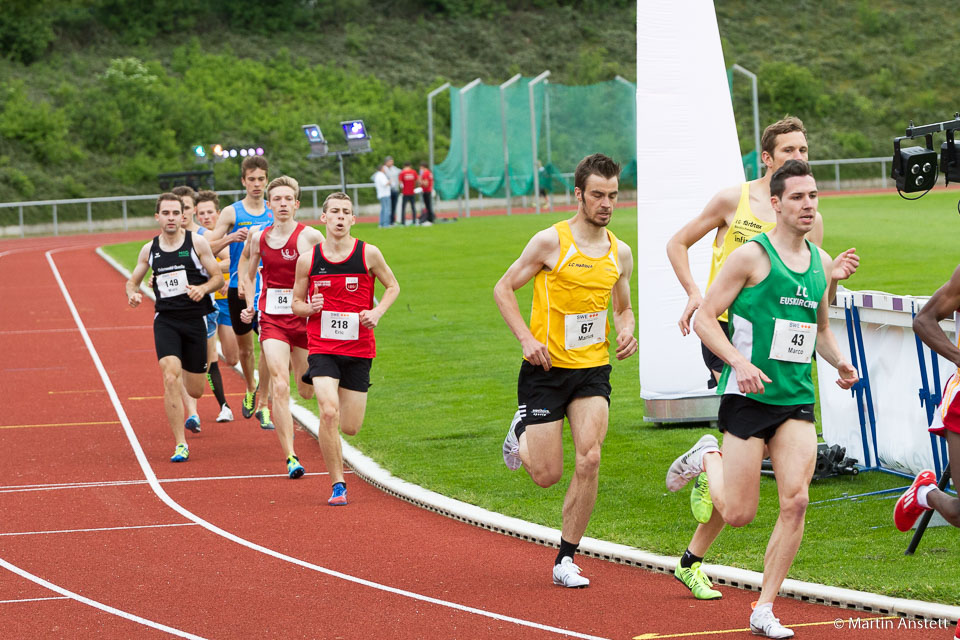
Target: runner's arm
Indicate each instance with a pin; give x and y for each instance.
(132, 285)
(535, 256)
(220, 237)
(738, 269)
(712, 218)
(827, 346)
(247, 277)
(378, 268)
(623, 318)
(242, 265)
(300, 305)
(209, 263)
(940, 306)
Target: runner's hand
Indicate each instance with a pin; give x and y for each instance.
(223, 289)
(240, 235)
(316, 303)
(150, 282)
(195, 293)
(750, 378)
(848, 375)
(369, 318)
(240, 289)
(246, 314)
(135, 300)
(626, 345)
(536, 353)
(693, 303)
(845, 264)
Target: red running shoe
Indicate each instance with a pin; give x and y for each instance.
(908, 509)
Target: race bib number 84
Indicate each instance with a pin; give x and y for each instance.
(793, 341)
(279, 301)
(585, 329)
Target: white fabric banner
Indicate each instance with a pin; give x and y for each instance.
(687, 150)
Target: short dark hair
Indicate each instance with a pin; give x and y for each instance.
(790, 169)
(165, 196)
(185, 191)
(206, 195)
(788, 124)
(597, 164)
(252, 163)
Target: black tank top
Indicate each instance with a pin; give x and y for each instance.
(172, 271)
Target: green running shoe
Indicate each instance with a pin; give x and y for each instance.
(294, 468)
(249, 402)
(264, 417)
(700, 502)
(697, 581)
(181, 454)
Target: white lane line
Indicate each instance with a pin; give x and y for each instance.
(33, 599)
(17, 332)
(157, 489)
(93, 603)
(139, 526)
(21, 488)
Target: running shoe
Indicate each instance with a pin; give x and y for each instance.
(511, 445)
(181, 454)
(192, 424)
(762, 623)
(697, 581)
(339, 496)
(249, 402)
(264, 417)
(567, 574)
(294, 468)
(700, 502)
(226, 414)
(907, 510)
(690, 464)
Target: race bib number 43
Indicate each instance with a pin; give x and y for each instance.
(585, 329)
(279, 301)
(172, 283)
(336, 325)
(793, 341)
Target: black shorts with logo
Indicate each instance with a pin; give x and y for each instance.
(543, 396)
(352, 372)
(185, 338)
(236, 304)
(712, 360)
(747, 418)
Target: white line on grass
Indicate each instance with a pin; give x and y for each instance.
(157, 489)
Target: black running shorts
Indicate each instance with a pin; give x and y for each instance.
(185, 338)
(238, 304)
(747, 418)
(712, 360)
(543, 396)
(352, 372)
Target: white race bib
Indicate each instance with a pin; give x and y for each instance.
(336, 325)
(279, 301)
(585, 329)
(172, 283)
(793, 341)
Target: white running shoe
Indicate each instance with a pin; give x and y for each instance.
(690, 464)
(567, 574)
(762, 623)
(226, 414)
(511, 446)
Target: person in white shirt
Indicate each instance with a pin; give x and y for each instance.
(393, 172)
(382, 182)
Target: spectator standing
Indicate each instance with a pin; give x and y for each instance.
(409, 181)
(426, 183)
(393, 173)
(382, 183)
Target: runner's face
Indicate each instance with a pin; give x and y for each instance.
(188, 208)
(207, 214)
(798, 207)
(284, 203)
(789, 146)
(255, 182)
(170, 216)
(598, 199)
(338, 217)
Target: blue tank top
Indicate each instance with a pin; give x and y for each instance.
(243, 218)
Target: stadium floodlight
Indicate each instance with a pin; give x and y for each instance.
(259, 151)
(356, 134)
(318, 145)
(243, 153)
(914, 168)
(200, 152)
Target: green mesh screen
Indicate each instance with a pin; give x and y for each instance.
(570, 123)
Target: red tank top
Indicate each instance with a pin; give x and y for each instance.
(347, 289)
(279, 265)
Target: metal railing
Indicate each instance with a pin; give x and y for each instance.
(884, 176)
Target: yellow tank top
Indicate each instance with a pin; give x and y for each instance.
(745, 225)
(226, 277)
(570, 304)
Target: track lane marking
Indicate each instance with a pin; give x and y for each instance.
(158, 490)
(57, 424)
(133, 526)
(34, 599)
(692, 634)
(17, 488)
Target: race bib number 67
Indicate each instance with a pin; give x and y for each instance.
(585, 329)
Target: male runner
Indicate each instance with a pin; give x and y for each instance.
(189, 198)
(236, 222)
(577, 266)
(923, 494)
(775, 287)
(185, 274)
(283, 335)
(737, 213)
(334, 291)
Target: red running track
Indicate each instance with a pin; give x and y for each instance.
(90, 548)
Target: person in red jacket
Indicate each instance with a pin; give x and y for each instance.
(426, 183)
(409, 181)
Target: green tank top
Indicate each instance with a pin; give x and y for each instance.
(774, 324)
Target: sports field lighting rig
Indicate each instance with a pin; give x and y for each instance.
(916, 168)
(318, 144)
(358, 141)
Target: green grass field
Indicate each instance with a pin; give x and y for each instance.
(444, 389)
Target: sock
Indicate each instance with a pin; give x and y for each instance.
(688, 559)
(767, 605)
(922, 495)
(216, 383)
(567, 549)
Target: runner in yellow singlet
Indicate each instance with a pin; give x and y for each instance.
(578, 268)
(737, 213)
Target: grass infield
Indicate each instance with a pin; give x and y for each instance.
(444, 390)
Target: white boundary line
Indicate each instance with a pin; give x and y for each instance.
(120, 483)
(135, 526)
(170, 502)
(33, 599)
(373, 473)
